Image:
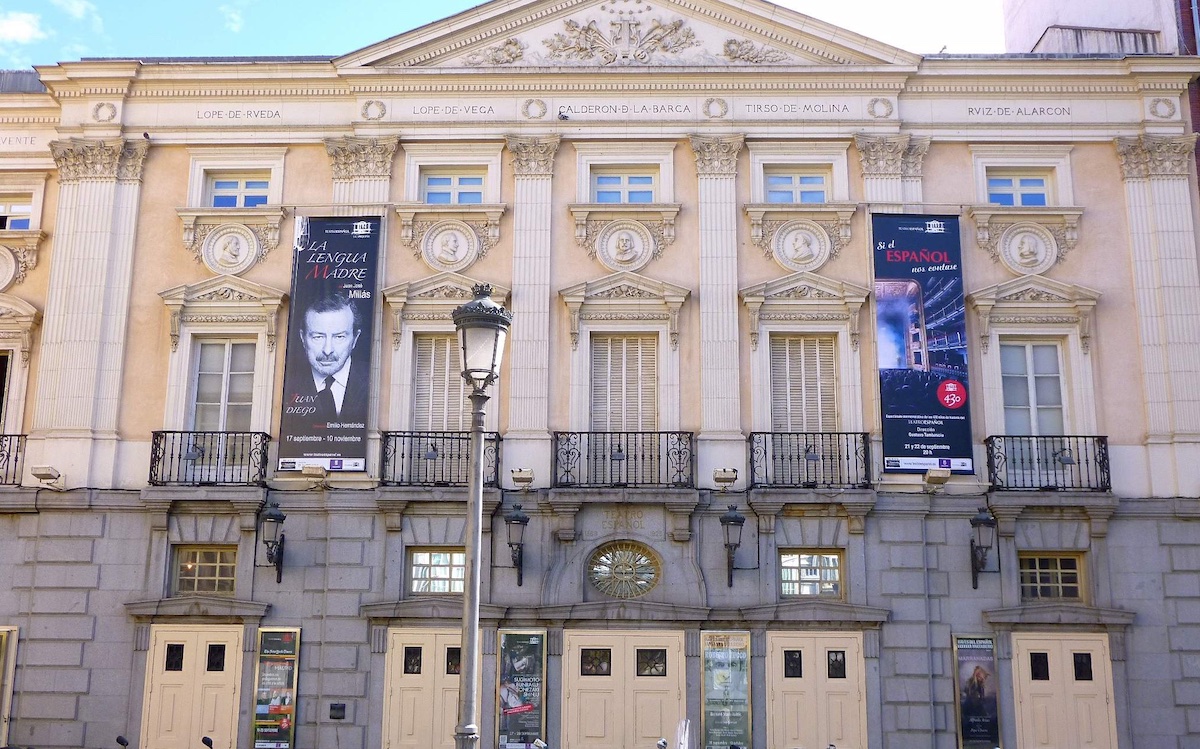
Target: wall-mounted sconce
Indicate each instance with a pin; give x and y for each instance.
(984, 526)
(432, 452)
(522, 478)
(811, 454)
(618, 454)
(515, 522)
(1064, 456)
(731, 524)
(270, 530)
(725, 478)
(193, 453)
(935, 478)
(49, 476)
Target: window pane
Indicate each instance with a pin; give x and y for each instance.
(1035, 182)
(18, 223)
(1000, 198)
(808, 196)
(1050, 421)
(438, 181)
(1048, 391)
(779, 196)
(1032, 199)
(814, 179)
(470, 197)
(1016, 391)
(780, 180)
(641, 180)
(470, 181)
(1045, 359)
(607, 196)
(604, 179)
(225, 184)
(253, 201)
(437, 198)
(241, 357)
(641, 196)
(224, 201)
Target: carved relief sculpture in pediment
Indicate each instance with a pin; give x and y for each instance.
(804, 297)
(625, 296)
(432, 299)
(1034, 303)
(227, 302)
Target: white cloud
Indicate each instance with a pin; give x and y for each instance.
(77, 9)
(81, 10)
(21, 28)
(233, 17)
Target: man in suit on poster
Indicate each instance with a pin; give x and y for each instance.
(329, 333)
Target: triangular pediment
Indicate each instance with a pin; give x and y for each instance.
(604, 34)
(1034, 292)
(443, 291)
(223, 291)
(624, 289)
(805, 287)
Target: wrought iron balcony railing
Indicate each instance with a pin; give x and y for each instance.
(436, 458)
(810, 460)
(209, 458)
(596, 459)
(1059, 463)
(12, 458)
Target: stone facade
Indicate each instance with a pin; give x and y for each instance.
(125, 264)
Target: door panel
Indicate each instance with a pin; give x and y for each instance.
(817, 675)
(1063, 689)
(188, 694)
(421, 708)
(617, 698)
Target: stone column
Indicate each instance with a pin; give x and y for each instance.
(81, 368)
(362, 177)
(362, 168)
(1162, 236)
(721, 441)
(527, 441)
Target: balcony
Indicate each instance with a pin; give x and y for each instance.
(435, 458)
(1059, 463)
(209, 459)
(601, 459)
(810, 460)
(12, 458)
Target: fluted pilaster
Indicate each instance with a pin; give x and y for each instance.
(716, 164)
(87, 305)
(1161, 237)
(529, 339)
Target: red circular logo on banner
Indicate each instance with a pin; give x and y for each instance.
(952, 394)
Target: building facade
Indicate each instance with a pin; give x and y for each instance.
(939, 315)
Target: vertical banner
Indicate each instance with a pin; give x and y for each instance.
(726, 707)
(975, 682)
(521, 689)
(274, 724)
(920, 317)
(326, 381)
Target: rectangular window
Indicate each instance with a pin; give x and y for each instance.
(1017, 189)
(238, 190)
(795, 186)
(1031, 375)
(1051, 577)
(439, 391)
(205, 569)
(810, 573)
(803, 384)
(15, 212)
(437, 571)
(624, 383)
(451, 188)
(224, 386)
(622, 186)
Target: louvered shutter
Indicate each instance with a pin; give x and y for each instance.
(803, 384)
(439, 391)
(624, 383)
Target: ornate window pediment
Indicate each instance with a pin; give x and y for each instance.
(772, 224)
(592, 220)
(18, 318)
(432, 299)
(204, 228)
(225, 303)
(476, 226)
(804, 298)
(625, 296)
(1034, 304)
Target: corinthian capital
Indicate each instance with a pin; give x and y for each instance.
(716, 156)
(80, 159)
(361, 157)
(1146, 156)
(914, 157)
(881, 156)
(533, 156)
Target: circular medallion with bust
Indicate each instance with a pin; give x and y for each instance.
(329, 332)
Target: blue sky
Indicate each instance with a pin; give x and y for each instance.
(41, 32)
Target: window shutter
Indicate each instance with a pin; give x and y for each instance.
(803, 384)
(624, 383)
(439, 391)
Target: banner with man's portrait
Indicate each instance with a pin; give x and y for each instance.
(327, 377)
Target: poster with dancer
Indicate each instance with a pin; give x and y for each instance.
(975, 682)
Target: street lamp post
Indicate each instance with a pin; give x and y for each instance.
(482, 328)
